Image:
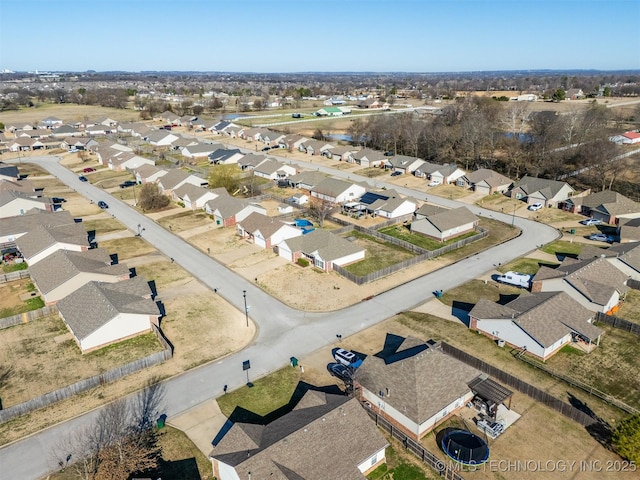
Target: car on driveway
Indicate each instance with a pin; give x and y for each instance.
(601, 237)
(340, 371)
(396, 173)
(88, 169)
(82, 178)
(590, 221)
(103, 205)
(434, 183)
(534, 206)
(127, 183)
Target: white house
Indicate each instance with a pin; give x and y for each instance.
(264, 231)
(14, 203)
(335, 190)
(322, 249)
(43, 240)
(446, 224)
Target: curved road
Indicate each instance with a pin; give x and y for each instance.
(282, 331)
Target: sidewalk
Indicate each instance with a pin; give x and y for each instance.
(201, 424)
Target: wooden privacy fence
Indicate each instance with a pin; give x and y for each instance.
(619, 323)
(414, 447)
(91, 382)
(635, 284)
(540, 396)
(29, 316)
(12, 276)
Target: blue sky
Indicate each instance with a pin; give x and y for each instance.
(320, 35)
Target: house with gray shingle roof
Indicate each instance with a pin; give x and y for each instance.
(227, 210)
(122, 161)
(447, 224)
(341, 153)
(594, 283)
(486, 181)
(148, 173)
(335, 190)
(251, 161)
(414, 384)
(540, 190)
(541, 323)
(222, 156)
(272, 169)
(607, 205)
(9, 172)
(43, 240)
(200, 150)
(64, 271)
(629, 230)
(175, 178)
(14, 227)
(14, 203)
(403, 163)
(161, 138)
(624, 256)
(307, 179)
(264, 231)
(195, 197)
(99, 314)
(447, 173)
(322, 248)
(314, 147)
(289, 447)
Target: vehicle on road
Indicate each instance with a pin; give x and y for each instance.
(296, 115)
(82, 178)
(396, 173)
(601, 237)
(340, 371)
(434, 183)
(266, 149)
(591, 221)
(514, 278)
(103, 205)
(127, 183)
(88, 169)
(535, 206)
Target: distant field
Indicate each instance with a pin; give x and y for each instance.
(67, 113)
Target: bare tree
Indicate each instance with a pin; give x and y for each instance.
(516, 118)
(320, 210)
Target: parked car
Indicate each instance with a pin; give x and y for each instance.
(73, 150)
(340, 371)
(395, 173)
(127, 183)
(266, 148)
(388, 153)
(82, 178)
(601, 237)
(103, 205)
(58, 200)
(434, 183)
(514, 278)
(535, 206)
(88, 169)
(296, 115)
(591, 221)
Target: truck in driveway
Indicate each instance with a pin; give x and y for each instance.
(514, 278)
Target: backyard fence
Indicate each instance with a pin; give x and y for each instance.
(619, 323)
(91, 382)
(634, 284)
(538, 395)
(12, 276)
(27, 317)
(414, 447)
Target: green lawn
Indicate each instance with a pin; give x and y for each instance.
(562, 248)
(14, 267)
(379, 254)
(525, 265)
(402, 232)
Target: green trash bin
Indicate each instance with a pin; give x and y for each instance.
(160, 421)
(573, 231)
(294, 361)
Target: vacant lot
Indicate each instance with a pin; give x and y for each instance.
(67, 113)
(185, 220)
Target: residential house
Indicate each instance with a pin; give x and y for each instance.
(287, 448)
(107, 121)
(414, 385)
(251, 161)
(43, 240)
(227, 210)
(175, 178)
(538, 323)
(222, 156)
(274, 170)
(551, 193)
(342, 154)
(607, 206)
(334, 190)
(253, 134)
(167, 117)
(119, 311)
(446, 225)
(322, 249)
(222, 126)
(403, 163)
(24, 144)
(292, 142)
(95, 130)
(624, 256)
(148, 173)
(272, 139)
(200, 150)
(627, 138)
(387, 203)
(367, 158)
(51, 122)
(307, 179)
(161, 138)
(372, 103)
(266, 232)
(594, 283)
(629, 230)
(445, 174)
(13, 227)
(314, 147)
(9, 172)
(485, 181)
(14, 203)
(26, 187)
(79, 143)
(195, 197)
(64, 271)
(574, 94)
(66, 131)
(122, 161)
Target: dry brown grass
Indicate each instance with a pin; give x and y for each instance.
(67, 113)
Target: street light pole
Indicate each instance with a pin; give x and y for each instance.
(246, 311)
(513, 217)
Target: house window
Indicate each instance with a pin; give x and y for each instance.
(373, 460)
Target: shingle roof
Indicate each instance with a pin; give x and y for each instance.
(289, 447)
(8, 196)
(173, 178)
(227, 205)
(21, 224)
(452, 218)
(95, 303)
(610, 202)
(493, 178)
(61, 266)
(549, 188)
(332, 187)
(328, 246)
(267, 226)
(41, 237)
(308, 178)
(421, 379)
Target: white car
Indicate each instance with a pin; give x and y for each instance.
(434, 183)
(591, 221)
(534, 206)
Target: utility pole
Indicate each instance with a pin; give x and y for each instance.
(246, 309)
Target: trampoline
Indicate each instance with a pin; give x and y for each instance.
(465, 447)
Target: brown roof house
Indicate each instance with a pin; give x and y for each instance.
(63, 272)
(607, 205)
(175, 178)
(485, 181)
(629, 230)
(43, 240)
(322, 248)
(266, 232)
(446, 224)
(539, 323)
(324, 437)
(14, 203)
(335, 190)
(99, 314)
(594, 283)
(415, 386)
(195, 197)
(540, 190)
(227, 210)
(624, 256)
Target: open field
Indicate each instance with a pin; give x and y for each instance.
(67, 113)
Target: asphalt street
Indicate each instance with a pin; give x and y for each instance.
(282, 331)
